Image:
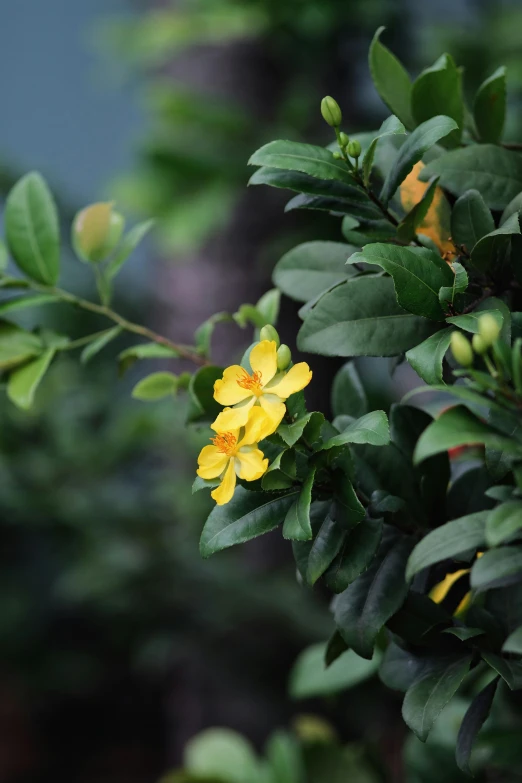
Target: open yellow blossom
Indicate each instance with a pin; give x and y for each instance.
(233, 453)
(264, 387)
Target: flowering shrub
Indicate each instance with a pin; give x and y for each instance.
(429, 210)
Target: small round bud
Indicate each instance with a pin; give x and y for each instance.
(343, 139)
(354, 148)
(284, 357)
(268, 332)
(331, 112)
(488, 328)
(461, 349)
(96, 231)
(480, 346)
(337, 156)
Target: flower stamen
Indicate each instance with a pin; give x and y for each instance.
(250, 382)
(225, 442)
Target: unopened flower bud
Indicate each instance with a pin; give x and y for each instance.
(354, 148)
(343, 139)
(96, 231)
(480, 346)
(268, 332)
(331, 112)
(488, 328)
(337, 156)
(284, 357)
(461, 349)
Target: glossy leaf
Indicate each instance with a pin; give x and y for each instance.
(469, 322)
(348, 394)
(503, 522)
(310, 677)
(156, 386)
(470, 220)
(310, 268)
(371, 428)
(325, 548)
(297, 525)
(448, 294)
(315, 161)
(145, 351)
(489, 107)
(23, 382)
(473, 721)
(129, 243)
(426, 358)
(391, 79)
(497, 568)
(390, 127)
(355, 556)
(513, 643)
(90, 351)
(509, 670)
(17, 345)
(407, 228)
(438, 90)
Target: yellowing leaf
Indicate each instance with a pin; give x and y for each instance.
(436, 224)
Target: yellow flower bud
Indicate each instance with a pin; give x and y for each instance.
(480, 346)
(269, 332)
(461, 349)
(284, 357)
(331, 112)
(96, 231)
(354, 148)
(343, 139)
(488, 329)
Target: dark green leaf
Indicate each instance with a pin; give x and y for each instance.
(416, 145)
(494, 247)
(372, 428)
(32, 229)
(145, 351)
(503, 522)
(202, 405)
(463, 633)
(426, 698)
(248, 515)
(497, 568)
(400, 668)
(514, 207)
(325, 548)
(204, 332)
(17, 345)
(390, 79)
(99, 344)
(310, 677)
(426, 358)
(315, 161)
(23, 382)
(473, 721)
(460, 284)
(494, 171)
(390, 127)
(448, 541)
(355, 556)
(304, 183)
(308, 269)
(509, 670)
(513, 643)
(285, 759)
(348, 394)
(361, 318)
(470, 220)
(489, 107)
(470, 321)
(22, 302)
(297, 521)
(438, 90)
(128, 245)
(282, 472)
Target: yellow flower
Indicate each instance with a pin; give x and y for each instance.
(265, 387)
(232, 453)
(441, 590)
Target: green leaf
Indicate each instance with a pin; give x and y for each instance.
(204, 332)
(368, 603)
(4, 256)
(497, 568)
(470, 220)
(268, 306)
(489, 107)
(291, 433)
(391, 79)
(32, 229)
(145, 351)
(309, 269)
(458, 427)
(348, 509)
(128, 245)
(426, 358)
(297, 521)
(202, 405)
(282, 472)
(416, 145)
(156, 386)
(509, 670)
(362, 208)
(448, 541)
(361, 318)
(513, 643)
(473, 721)
(99, 344)
(417, 277)
(304, 183)
(390, 127)
(460, 284)
(407, 228)
(23, 302)
(310, 677)
(463, 633)
(371, 428)
(325, 548)
(355, 556)
(514, 207)
(17, 345)
(494, 171)
(348, 394)
(503, 522)
(400, 668)
(221, 754)
(315, 161)
(470, 321)
(285, 759)
(438, 90)
(493, 249)
(248, 515)
(426, 698)
(23, 382)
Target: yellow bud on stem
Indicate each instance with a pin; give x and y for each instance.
(284, 357)
(96, 231)
(488, 329)
(461, 349)
(480, 346)
(354, 148)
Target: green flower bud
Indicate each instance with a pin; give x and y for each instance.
(96, 231)
(354, 148)
(284, 357)
(331, 112)
(461, 349)
(480, 346)
(337, 156)
(343, 139)
(488, 329)
(268, 332)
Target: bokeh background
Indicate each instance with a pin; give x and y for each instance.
(117, 642)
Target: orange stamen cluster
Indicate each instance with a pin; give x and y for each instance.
(225, 442)
(250, 382)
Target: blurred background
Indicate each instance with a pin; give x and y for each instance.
(117, 642)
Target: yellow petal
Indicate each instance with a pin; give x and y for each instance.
(252, 463)
(231, 419)
(224, 492)
(441, 590)
(293, 381)
(463, 606)
(436, 224)
(211, 462)
(274, 407)
(258, 427)
(227, 390)
(263, 360)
